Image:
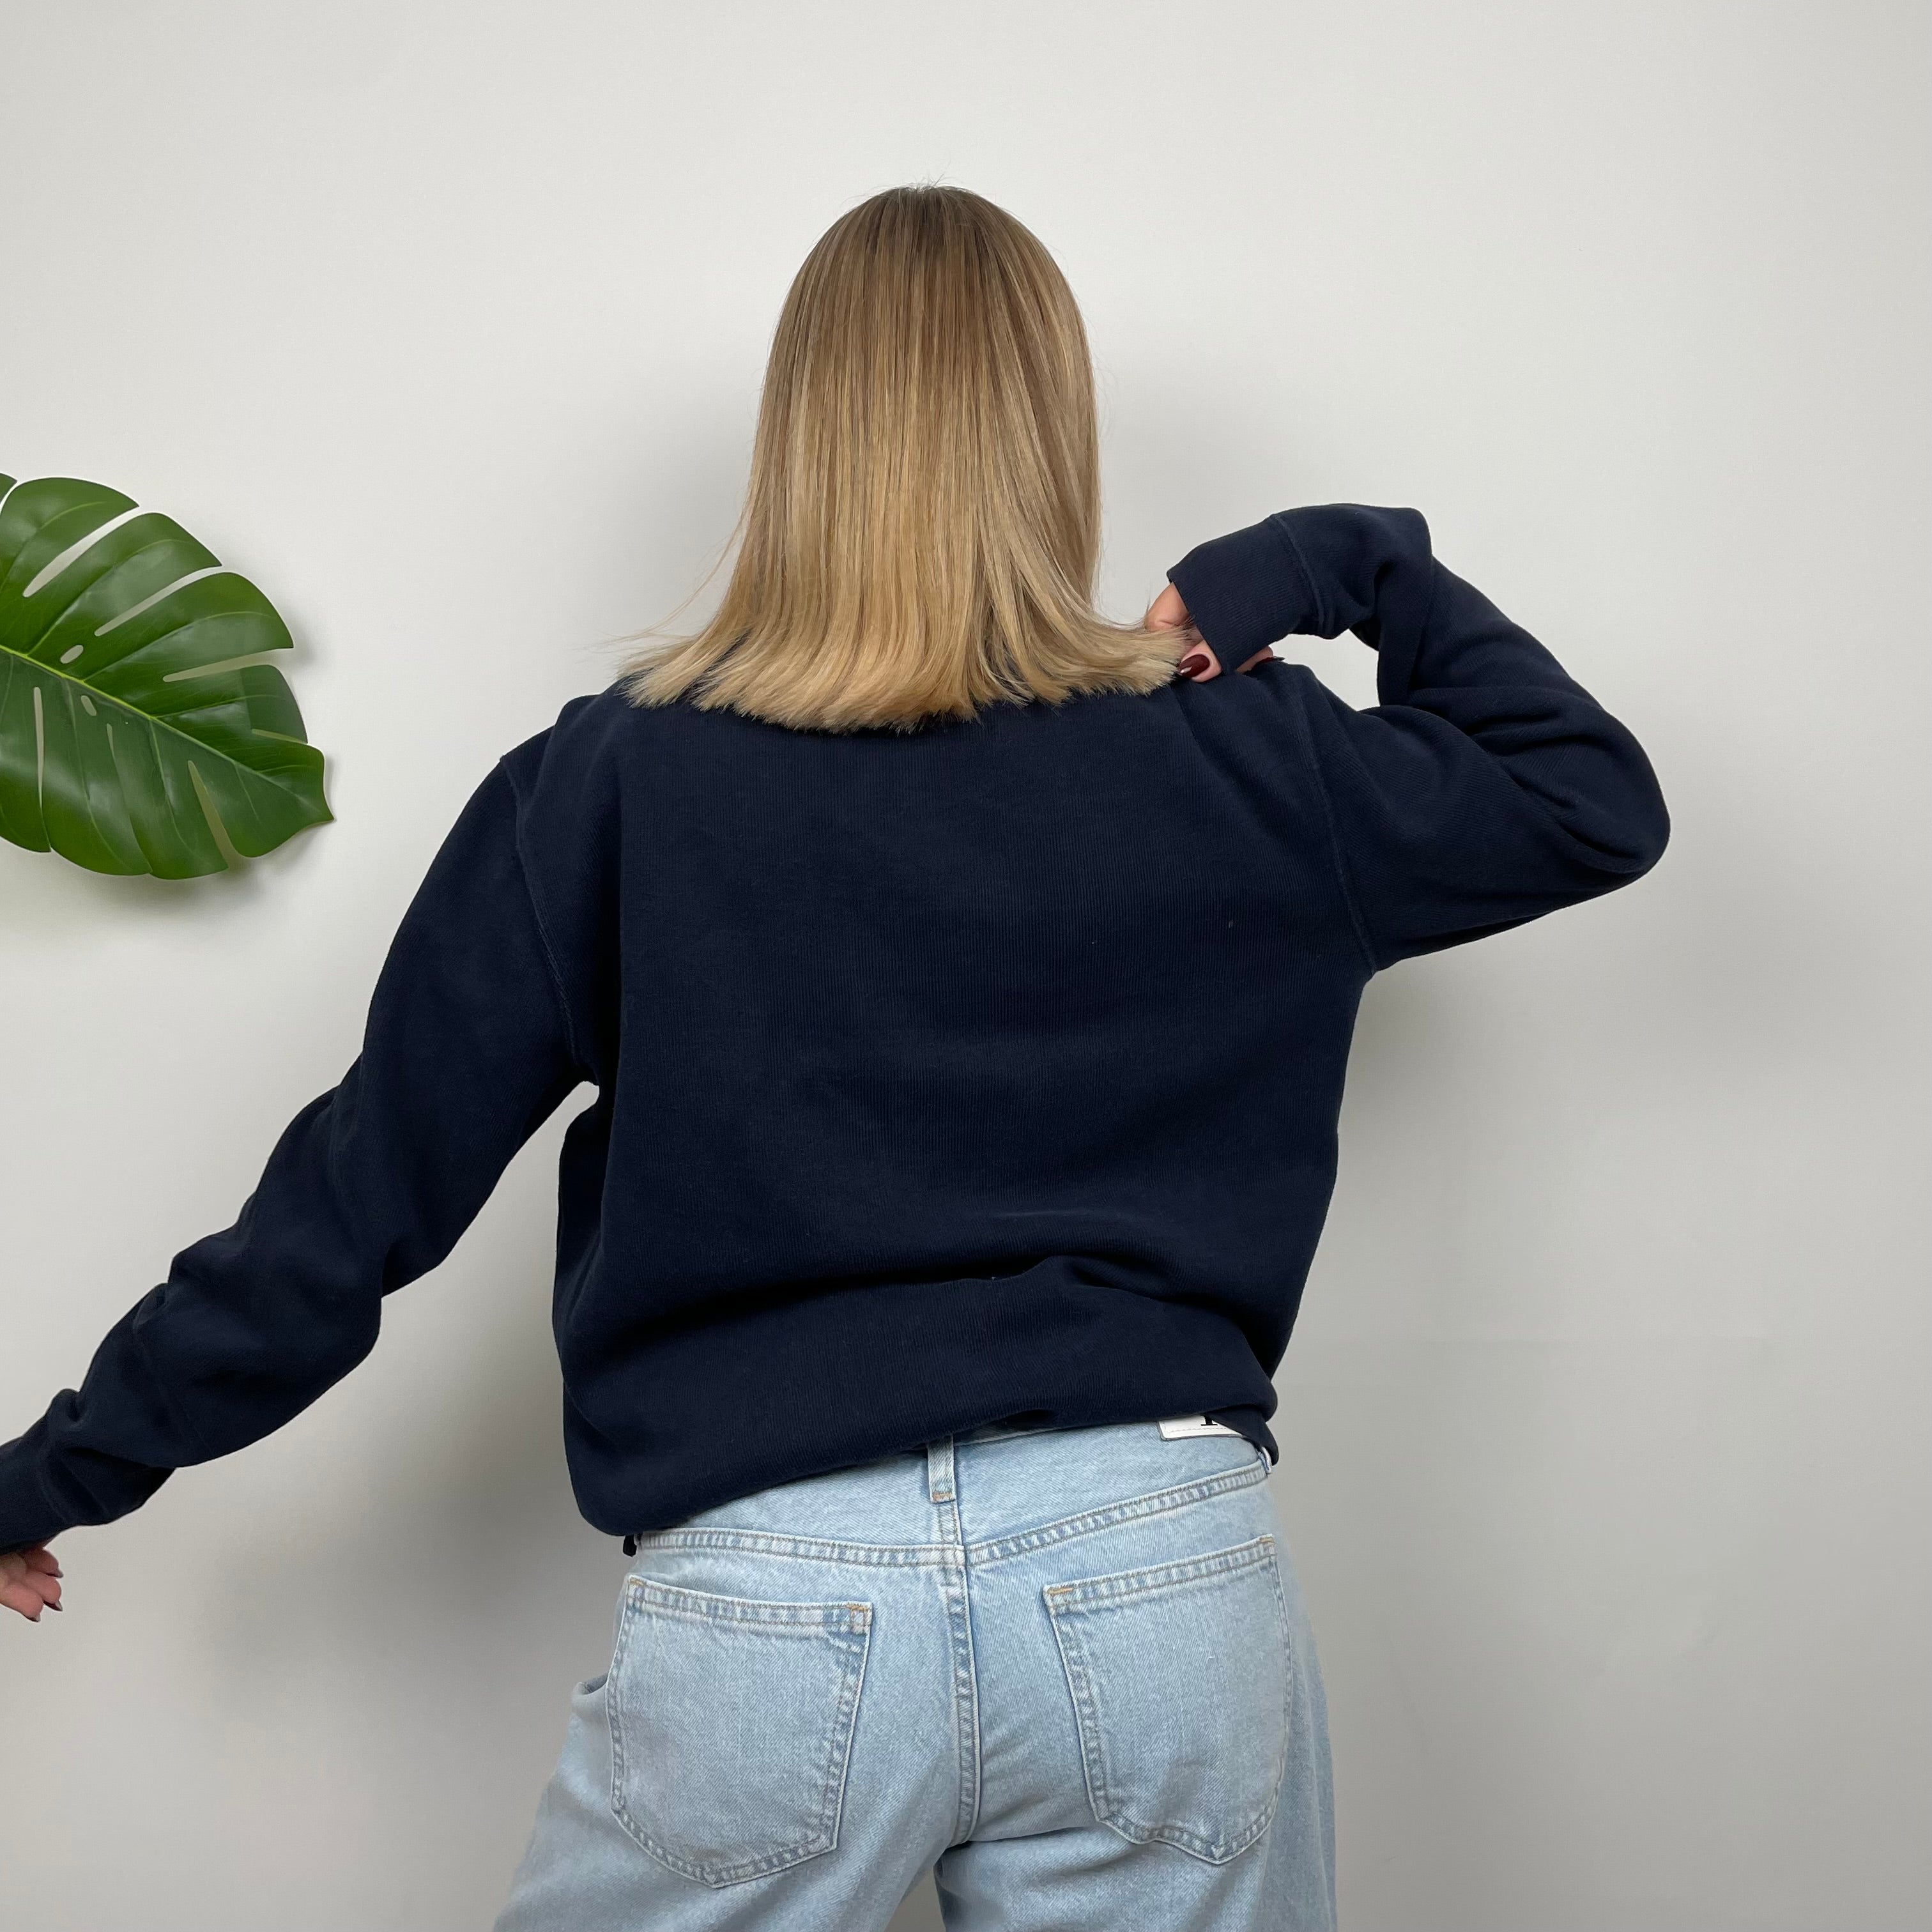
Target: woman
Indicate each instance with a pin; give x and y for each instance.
(967, 997)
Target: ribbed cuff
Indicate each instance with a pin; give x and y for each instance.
(27, 1515)
(1245, 591)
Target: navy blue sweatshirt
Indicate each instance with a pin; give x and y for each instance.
(989, 1070)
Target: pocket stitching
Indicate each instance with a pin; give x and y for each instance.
(848, 1627)
(1125, 1586)
(707, 1606)
(1064, 1601)
(1131, 1509)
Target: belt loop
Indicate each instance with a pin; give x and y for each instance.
(939, 1470)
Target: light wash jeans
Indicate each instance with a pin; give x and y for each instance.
(1069, 1669)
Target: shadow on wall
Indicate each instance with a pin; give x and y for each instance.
(920, 1912)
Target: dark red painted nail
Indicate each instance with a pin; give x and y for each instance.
(1195, 661)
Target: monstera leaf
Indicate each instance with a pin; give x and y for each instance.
(128, 729)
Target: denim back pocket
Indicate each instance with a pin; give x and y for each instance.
(1180, 1679)
(731, 1723)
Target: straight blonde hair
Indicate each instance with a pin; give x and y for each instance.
(922, 523)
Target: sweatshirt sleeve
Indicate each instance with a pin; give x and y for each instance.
(467, 1051)
(1486, 787)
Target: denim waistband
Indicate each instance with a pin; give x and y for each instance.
(984, 1484)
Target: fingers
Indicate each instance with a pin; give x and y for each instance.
(1198, 661)
(30, 1582)
(24, 1597)
(1167, 612)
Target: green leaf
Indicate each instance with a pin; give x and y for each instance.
(126, 725)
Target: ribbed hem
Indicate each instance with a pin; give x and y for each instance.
(726, 1410)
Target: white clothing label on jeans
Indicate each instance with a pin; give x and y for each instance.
(1178, 1426)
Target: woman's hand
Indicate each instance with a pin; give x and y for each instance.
(1197, 660)
(30, 1581)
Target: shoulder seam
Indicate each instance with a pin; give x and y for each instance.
(536, 916)
(1357, 924)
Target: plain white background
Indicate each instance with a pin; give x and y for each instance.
(1605, 1449)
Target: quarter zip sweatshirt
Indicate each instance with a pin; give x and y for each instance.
(987, 1071)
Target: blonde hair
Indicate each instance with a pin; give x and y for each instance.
(922, 523)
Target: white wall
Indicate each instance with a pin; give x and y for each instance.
(1606, 1448)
